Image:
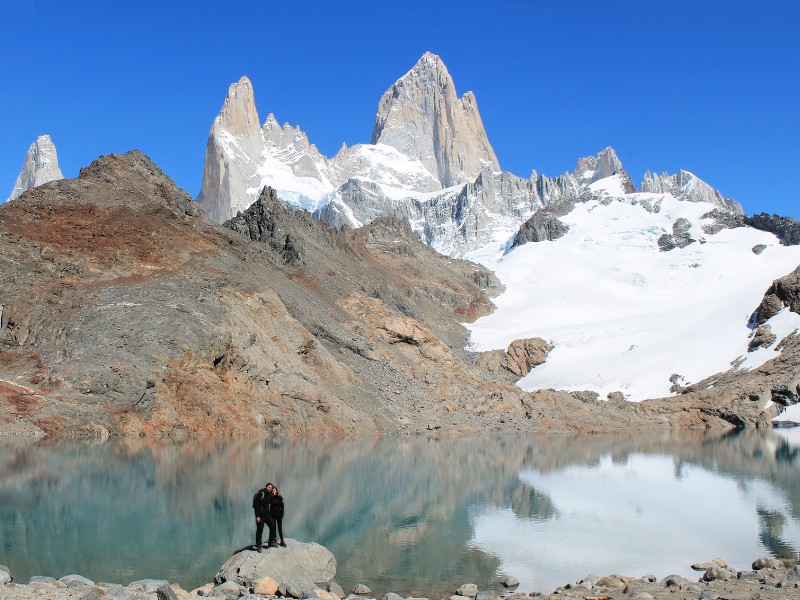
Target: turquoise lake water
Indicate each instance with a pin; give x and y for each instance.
(418, 516)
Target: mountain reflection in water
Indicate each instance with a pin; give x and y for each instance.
(412, 515)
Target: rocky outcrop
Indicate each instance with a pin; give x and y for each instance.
(422, 116)
(289, 566)
(40, 166)
(784, 292)
(722, 219)
(688, 186)
(542, 226)
(786, 229)
(680, 237)
(518, 359)
(233, 155)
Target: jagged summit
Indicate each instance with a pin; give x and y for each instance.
(234, 147)
(429, 161)
(422, 116)
(688, 186)
(40, 166)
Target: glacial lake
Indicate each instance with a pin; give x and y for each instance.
(418, 516)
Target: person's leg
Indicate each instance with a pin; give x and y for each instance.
(279, 525)
(271, 525)
(259, 533)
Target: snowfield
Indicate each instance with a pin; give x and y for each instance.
(624, 316)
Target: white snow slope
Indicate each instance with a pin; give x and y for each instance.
(624, 316)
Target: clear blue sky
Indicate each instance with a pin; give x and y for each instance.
(709, 86)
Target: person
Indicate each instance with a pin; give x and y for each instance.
(261, 506)
(276, 510)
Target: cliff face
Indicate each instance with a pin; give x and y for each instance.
(233, 155)
(40, 166)
(422, 116)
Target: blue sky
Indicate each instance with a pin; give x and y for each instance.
(708, 86)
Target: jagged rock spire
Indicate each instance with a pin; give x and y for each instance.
(688, 186)
(233, 153)
(40, 166)
(421, 116)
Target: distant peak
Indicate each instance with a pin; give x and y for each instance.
(421, 116)
(40, 166)
(238, 114)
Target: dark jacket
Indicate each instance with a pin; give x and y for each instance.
(261, 503)
(276, 507)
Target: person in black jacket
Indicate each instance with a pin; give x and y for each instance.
(276, 510)
(262, 503)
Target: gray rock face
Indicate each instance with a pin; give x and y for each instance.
(542, 226)
(233, 153)
(722, 220)
(679, 238)
(421, 116)
(786, 229)
(288, 566)
(688, 186)
(784, 292)
(40, 166)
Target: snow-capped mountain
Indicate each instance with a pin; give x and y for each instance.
(641, 291)
(40, 166)
(430, 161)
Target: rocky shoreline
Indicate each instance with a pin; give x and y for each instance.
(306, 571)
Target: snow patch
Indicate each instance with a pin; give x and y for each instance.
(622, 315)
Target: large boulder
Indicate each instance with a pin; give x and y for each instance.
(297, 561)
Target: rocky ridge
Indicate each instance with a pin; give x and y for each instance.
(134, 314)
(40, 166)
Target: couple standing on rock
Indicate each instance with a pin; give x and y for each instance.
(268, 506)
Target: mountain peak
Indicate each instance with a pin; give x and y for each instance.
(422, 116)
(40, 166)
(235, 142)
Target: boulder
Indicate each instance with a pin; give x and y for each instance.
(611, 581)
(297, 586)
(508, 581)
(486, 595)
(361, 590)
(393, 596)
(76, 581)
(265, 586)
(705, 566)
(297, 564)
(335, 588)
(165, 592)
(147, 585)
(716, 573)
(203, 590)
(791, 579)
(5, 575)
(322, 595)
(767, 562)
(228, 589)
(470, 590)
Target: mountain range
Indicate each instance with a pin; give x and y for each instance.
(305, 298)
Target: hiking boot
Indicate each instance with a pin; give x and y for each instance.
(283, 543)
